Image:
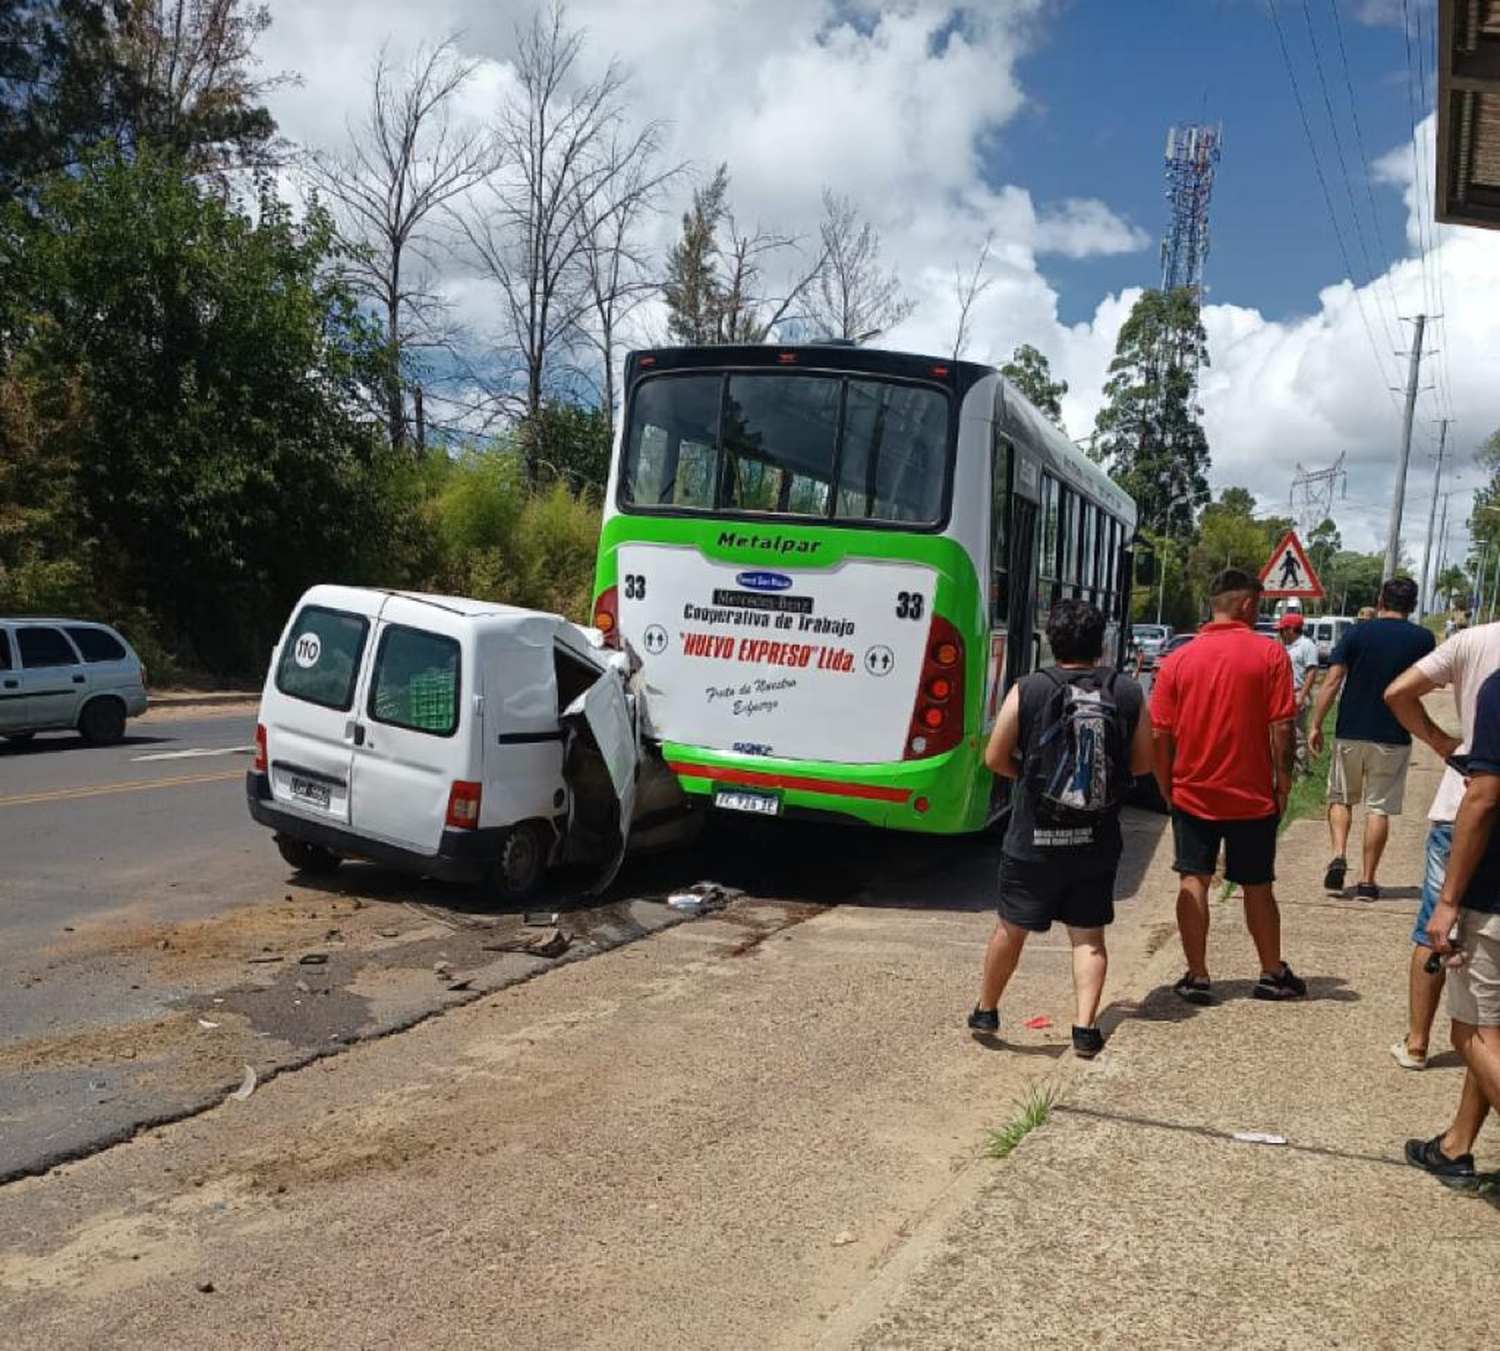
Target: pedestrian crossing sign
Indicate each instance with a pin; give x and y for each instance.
(1288, 573)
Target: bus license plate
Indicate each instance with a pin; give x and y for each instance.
(315, 794)
(737, 800)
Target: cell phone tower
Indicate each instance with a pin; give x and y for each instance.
(1192, 153)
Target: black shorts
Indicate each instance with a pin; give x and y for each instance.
(1249, 847)
(1033, 895)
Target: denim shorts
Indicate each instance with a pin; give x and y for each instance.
(1439, 846)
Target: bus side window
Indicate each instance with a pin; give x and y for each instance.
(999, 533)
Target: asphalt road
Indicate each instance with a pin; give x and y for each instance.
(153, 944)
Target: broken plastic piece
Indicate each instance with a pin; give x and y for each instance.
(203, 1022)
(247, 1085)
(1259, 1138)
(1037, 1023)
(702, 897)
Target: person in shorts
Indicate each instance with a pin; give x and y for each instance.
(1464, 662)
(1370, 748)
(1050, 875)
(1302, 652)
(1221, 721)
(1465, 933)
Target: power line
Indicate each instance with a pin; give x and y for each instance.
(1338, 146)
(1424, 54)
(1364, 156)
(1312, 146)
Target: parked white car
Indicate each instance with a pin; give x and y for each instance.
(452, 738)
(1326, 631)
(59, 675)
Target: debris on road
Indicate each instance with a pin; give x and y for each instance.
(1259, 1138)
(313, 959)
(268, 957)
(539, 919)
(247, 1085)
(545, 943)
(389, 933)
(702, 897)
(204, 1287)
(204, 1023)
(843, 1239)
(1037, 1023)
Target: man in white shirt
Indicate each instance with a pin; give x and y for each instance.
(1303, 654)
(1464, 661)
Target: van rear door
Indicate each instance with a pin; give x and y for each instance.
(308, 708)
(412, 739)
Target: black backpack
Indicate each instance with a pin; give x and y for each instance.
(1077, 764)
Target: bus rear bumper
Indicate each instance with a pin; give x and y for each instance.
(945, 795)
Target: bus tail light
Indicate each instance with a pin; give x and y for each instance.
(259, 765)
(463, 805)
(607, 616)
(937, 720)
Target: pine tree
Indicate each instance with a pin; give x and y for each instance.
(1031, 373)
(693, 291)
(1148, 431)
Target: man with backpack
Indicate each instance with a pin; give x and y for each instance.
(1222, 713)
(1072, 735)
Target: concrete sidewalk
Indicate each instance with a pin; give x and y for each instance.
(1135, 1218)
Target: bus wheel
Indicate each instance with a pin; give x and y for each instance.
(522, 861)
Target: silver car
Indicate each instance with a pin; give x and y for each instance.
(61, 675)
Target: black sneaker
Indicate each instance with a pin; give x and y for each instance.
(1333, 879)
(1456, 1173)
(1282, 984)
(1087, 1042)
(984, 1020)
(1367, 891)
(1195, 989)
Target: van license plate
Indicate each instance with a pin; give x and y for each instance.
(735, 800)
(316, 794)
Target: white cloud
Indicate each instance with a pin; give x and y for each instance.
(896, 104)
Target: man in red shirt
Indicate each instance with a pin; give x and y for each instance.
(1222, 715)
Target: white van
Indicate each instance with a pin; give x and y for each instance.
(1326, 631)
(452, 738)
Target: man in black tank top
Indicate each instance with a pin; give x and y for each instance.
(1060, 864)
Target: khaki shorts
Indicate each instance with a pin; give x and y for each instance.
(1474, 987)
(1370, 773)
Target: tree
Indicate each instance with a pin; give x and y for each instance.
(402, 165)
(193, 375)
(574, 444)
(1148, 429)
(715, 288)
(1031, 373)
(169, 75)
(855, 298)
(1454, 585)
(967, 288)
(1484, 519)
(566, 153)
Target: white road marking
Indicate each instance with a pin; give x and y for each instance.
(194, 754)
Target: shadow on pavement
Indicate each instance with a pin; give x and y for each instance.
(63, 743)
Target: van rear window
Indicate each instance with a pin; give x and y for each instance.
(97, 644)
(320, 659)
(416, 681)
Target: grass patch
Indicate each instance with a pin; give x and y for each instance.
(1308, 796)
(1031, 1112)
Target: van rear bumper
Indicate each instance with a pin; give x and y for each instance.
(462, 856)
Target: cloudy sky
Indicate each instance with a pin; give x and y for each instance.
(1044, 122)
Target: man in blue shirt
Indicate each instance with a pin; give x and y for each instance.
(1465, 935)
(1370, 748)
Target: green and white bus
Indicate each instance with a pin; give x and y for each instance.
(832, 562)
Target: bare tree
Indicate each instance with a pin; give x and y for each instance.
(568, 155)
(616, 268)
(855, 297)
(404, 162)
(746, 312)
(967, 288)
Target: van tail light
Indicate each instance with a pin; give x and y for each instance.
(607, 616)
(937, 718)
(260, 748)
(463, 805)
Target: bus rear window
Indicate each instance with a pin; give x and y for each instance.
(827, 447)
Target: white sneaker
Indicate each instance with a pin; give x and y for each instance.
(1405, 1058)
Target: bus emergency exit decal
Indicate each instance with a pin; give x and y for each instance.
(822, 663)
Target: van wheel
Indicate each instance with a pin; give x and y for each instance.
(102, 722)
(522, 861)
(306, 858)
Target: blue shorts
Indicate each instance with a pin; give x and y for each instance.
(1439, 846)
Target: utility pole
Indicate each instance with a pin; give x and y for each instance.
(1437, 483)
(1398, 500)
(1442, 543)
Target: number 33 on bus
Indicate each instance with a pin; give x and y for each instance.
(833, 562)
